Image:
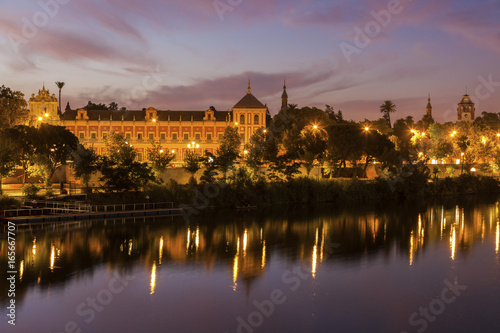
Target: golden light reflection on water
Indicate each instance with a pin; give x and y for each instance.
(453, 242)
(21, 270)
(235, 264)
(52, 257)
(314, 261)
(497, 238)
(245, 242)
(160, 254)
(197, 239)
(263, 262)
(412, 248)
(34, 247)
(153, 278)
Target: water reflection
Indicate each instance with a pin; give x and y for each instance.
(244, 245)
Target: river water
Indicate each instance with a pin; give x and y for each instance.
(290, 269)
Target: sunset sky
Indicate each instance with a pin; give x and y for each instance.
(191, 54)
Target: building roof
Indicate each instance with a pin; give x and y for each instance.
(249, 101)
(140, 115)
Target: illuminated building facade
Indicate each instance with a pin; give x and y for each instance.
(173, 130)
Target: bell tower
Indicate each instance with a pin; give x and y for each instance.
(43, 108)
(466, 110)
(284, 97)
(428, 109)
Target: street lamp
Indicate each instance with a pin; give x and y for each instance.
(193, 145)
(367, 129)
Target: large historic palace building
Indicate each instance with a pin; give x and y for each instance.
(175, 131)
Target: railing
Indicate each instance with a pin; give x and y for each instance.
(135, 206)
(57, 207)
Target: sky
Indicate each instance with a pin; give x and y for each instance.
(193, 54)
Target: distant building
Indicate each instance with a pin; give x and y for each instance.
(174, 130)
(428, 109)
(466, 110)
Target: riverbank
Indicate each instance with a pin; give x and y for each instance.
(247, 193)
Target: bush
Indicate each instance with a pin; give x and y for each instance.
(8, 203)
(31, 190)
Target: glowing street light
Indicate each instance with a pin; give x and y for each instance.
(173, 151)
(40, 118)
(193, 145)
(453, 133)
(315, 126)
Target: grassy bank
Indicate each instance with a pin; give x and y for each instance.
(306, 190)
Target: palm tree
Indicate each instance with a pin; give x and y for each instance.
(387, 108)
(60, 85)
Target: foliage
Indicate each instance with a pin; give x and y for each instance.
(30, 190)
(85, 163)
(120, 172)
(13, 108)
(160, 159)
(93, 106)
(7, 158)
(8, 203)
(192, 162)
(228, 151)
(386, 109)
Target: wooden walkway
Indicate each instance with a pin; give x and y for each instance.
(94, 215)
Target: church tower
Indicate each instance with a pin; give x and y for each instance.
(284, 97)
(249, 114)
(466, 110)
(43, 108)
(428, 109)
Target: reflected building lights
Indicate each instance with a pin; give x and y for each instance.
(153, 278)
(245, 242)
(314, 262)
(235, 264)
(130, 247)
(34, 247)
(188, 242)
(160, 254)
(453, 242)
(197, 239)
(52, 257)
(411, 248)
(497, 238)
(21, 270)
(263, 264)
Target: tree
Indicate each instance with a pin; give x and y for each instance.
(120, 172)
(60, 85)
(23, 139)
(7, 158)
(113, 106)
(13, 108)
(93, 106)
(53, 146)
(228, 151)
(192, 162)
(345, 144)
(386, 109)
(377, 146)
(85, 163)
(160, 159)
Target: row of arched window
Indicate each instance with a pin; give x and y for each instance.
(255, 119)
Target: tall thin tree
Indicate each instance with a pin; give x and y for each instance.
(387, 108)
(60, 85)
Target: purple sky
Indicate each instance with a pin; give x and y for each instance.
(191, 54)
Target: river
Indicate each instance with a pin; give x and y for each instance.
(290, 269)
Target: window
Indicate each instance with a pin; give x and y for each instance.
(209, 137)
(139, 136)
(82, 136)
(242, 137)
(186, 137)
(174, 136)
(127, 136)
(256, 119)
(93, 136)
(105, 135)
(242, 119)
(197, 137)
(151, 137)
(220, 136)
(162, 136)
(139, 157)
